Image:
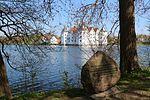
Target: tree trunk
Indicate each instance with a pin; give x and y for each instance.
(4, 86)
(128, 50)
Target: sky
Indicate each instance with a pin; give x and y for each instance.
(141, 20)
(141, 25)
(62, 18)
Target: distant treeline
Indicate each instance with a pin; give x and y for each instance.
(31, 39)
(141, 39)
(36, 39)
(27, 39)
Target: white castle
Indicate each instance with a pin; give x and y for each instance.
(83, 35)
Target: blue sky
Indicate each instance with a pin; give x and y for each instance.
(64, 17)
(140, 24)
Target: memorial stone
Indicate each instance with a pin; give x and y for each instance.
(100, 73)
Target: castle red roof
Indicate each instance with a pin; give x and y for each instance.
(89, 29)
(95, 29)
(74, 29)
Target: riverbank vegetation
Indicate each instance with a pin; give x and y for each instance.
(133, 85)
(140, 39)
(143, 43)
(34, 39)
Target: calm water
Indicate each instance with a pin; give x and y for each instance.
(50, 63)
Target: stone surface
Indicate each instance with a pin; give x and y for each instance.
(100, 73)
(106, 94)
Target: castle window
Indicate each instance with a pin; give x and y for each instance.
(68, 39)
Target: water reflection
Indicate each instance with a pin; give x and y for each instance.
(53, 61)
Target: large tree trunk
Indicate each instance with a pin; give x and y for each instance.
(128, 50)
(4, 86)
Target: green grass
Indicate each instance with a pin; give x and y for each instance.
(74, 92)
(137, 80)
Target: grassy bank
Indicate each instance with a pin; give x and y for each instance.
(137, 80)
(143, 43)
(132, 86)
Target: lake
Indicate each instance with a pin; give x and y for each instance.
(53, 65)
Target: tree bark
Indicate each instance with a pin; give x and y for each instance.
(128, 50)
(4, 86)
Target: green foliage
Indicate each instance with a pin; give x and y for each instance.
(143, 43)
(53, 95)
(4, 98)
(44, 43)
(31, 39)
(30, 96)
(66, 80)
(139, 79)
(137, 74)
